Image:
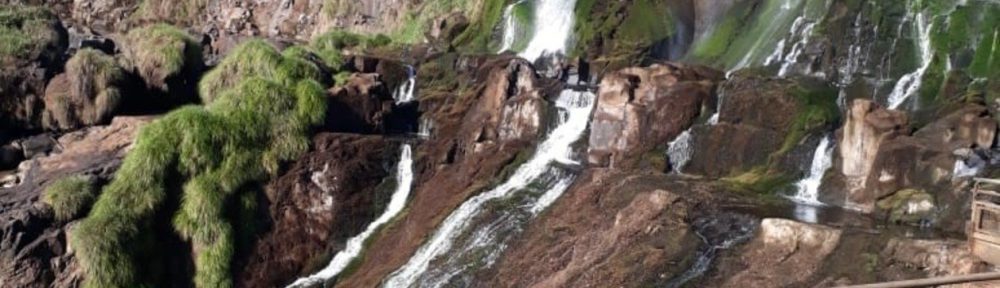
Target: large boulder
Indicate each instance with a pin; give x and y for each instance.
(781, 246)
(640, 108)
(327, 196)
(761, 120)
(87, 94)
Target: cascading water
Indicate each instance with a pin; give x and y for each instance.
(510, 27)
(910, 83)
(807, 189)
(801, 29)
(717, 232)
(473, 235)
(404, 93)
(554, 20)
(404, 181)
(679, 151)
(775, 24)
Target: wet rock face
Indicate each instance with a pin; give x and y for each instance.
(640, 108)
(359, 106)
(781, 246)
(327, 196)
(610, 230)
(33, 247)
(510, 107)
(756, 117)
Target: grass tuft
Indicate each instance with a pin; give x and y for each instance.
(160, 51)
(93, 94)
(25, 31)
(70, 196)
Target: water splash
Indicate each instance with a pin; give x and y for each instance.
(404, 180)
(807, 190)
(404, 93)
(679, 151)
(460, 238)
(910, 83)
(554, 20)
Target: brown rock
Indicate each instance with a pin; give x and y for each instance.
(33, 248)
(639, 108)
(782, 246)
(359, 106)
(725, 149)
(327, 196)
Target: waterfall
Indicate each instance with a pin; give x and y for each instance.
(404, 93)
(477, 230)
(807, 189)
(510, 27)
(775, 23)
(679, 151)
(554, 23)
(404, 181)
(425, 128)
(909, 84)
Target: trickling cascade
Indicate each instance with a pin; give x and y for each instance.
(404, 93)
(719, 232)
(478, 230)
(679, 151)
(555, 23)
(909, 84)
(770, 31)
(807, 189)
(510, 27)
(404, 180)
(804, 31)
(425, 128)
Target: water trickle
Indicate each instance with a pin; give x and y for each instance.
(554, 20)
(426, 128)
(473, 236)
(717, 232)
(510, 28)
(679, 151)
(909, 84)
(807, 190)
(404, 93)
(404, 180)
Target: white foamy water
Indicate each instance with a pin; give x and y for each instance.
(574, 115)
(807, 190)
(552, 28)
(510, 27)
(404, 93)
(404, 181)
(679, 151)
(910, 83)
(770, 31)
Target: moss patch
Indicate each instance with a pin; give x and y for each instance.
(160, 51)
(25, 31)
(70, 197)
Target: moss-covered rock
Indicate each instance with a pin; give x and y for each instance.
(70, 197)
(87, 94)
(258, 118)
(165, 57)
(29, 33)
(908, 206)
(256, 58)
(32, 43)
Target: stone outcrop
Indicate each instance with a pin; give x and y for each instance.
(611, 230)
(759, 117)
(359, 106)
(782, 246)
(33, 247)
(640, 108)
(877, 155)
(325, 197)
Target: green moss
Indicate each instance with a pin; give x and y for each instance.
(254, 58)
(477, 37)
(330, 45)
(181, 12)
(899, 206)
(159, 51)
(25, 31)
(255, 123)
(70, 196)
(760, 181)
(648, 21)
(817, 109)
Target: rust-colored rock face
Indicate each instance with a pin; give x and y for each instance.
(639, 108)
(359, 106)
(325, 197)
(33, 248)
(610, 230)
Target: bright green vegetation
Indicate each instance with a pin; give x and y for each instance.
(25, 31)
(70, 196)
(621, 31)
(478, 36)
(159, 51)
(257, 116)
(93, 94)
(330, 45)
(524, 17)
(255, 58)
(817, 109)
(761, 180)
